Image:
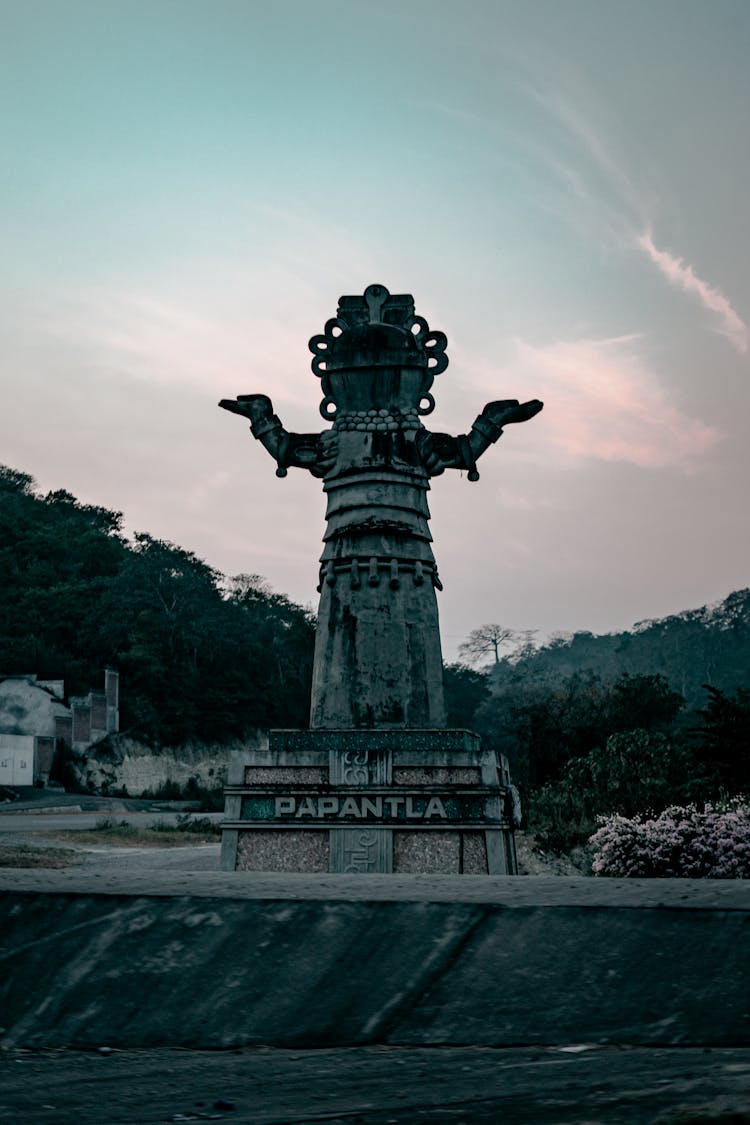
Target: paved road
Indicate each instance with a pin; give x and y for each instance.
(22, 822)
(51, 830)
(380, 1086)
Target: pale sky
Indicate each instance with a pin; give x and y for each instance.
(188, 187)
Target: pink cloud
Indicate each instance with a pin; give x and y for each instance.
(602, 401)
(225, 342)
(682, 275)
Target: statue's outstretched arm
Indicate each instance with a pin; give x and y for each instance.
(489, 425)
(315, 452)
(443, 451)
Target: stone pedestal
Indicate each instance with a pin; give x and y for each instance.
(370, 801)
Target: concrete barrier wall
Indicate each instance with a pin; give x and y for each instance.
(124, 763)
(244, 960)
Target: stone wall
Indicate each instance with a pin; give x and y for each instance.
(119, 763)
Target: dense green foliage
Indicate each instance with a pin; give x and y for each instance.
(540, 728)
(723, 734)
(465, 692)
(200, 658)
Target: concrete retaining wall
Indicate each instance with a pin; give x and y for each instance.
(252, 960)
(121, 763)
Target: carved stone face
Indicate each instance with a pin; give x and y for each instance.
(399, 392)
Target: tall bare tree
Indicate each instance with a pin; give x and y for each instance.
(487, 640)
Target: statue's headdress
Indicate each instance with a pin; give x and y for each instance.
(378, 330)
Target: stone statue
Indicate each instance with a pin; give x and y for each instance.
(378, 662)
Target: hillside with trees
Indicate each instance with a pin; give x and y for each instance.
(622, 723)
(710, 645)
(200, 656)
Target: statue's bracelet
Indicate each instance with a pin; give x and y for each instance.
(487, 429)
(260, 428)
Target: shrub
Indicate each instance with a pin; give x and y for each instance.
(559, 816)
(211, 800)
(633, 770)
(682, 842)
(161, 831)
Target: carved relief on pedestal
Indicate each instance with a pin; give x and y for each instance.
(359, 852)
(356, 767)
(360, 767)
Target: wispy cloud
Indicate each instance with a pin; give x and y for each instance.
(682, 275)
(590, 141)
(603, 401)
(599, 192)
(597, 179)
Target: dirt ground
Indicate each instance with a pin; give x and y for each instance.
(72, 848)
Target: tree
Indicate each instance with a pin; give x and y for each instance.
(722, 741)
(644, 702)
(465, 691)
(488, 640)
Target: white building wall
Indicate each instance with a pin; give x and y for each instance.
(16, 759)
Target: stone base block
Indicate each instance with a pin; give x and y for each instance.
(354, 801)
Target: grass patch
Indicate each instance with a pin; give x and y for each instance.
(187, 830)
(22, 856)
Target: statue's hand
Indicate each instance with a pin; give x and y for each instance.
(256, 408)
(508, 410)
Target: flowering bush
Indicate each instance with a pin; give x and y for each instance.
(686, 843)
